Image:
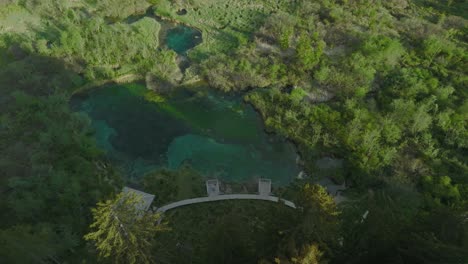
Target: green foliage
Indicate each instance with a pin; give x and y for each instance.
(319, 221)
(15, 18)
(309, 54)
(54, 173)
(122, 232)
(33, 244)
(311, 255)
(170, 186)
(91, 45)
(38, 75)
(147, 31)
(455, 7)
(107, 50)
(280, 26)
(382, 86)
(227, 75)
(440, 190)
(285, 116)
(285, 37)
(397, 112)
(233, 248)
(166, 67)
(59, 155)
(382, 51)
(414, 94)
(224, 23)
(377, 223)
(392, 227)
(50, 169)
(447, 239)
(297, 94)
(120, 9)
(225, 232)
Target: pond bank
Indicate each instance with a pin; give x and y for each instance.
(218, 135)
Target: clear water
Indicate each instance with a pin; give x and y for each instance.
(219, 136)
(182, 38)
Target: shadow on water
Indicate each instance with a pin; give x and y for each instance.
(219, 136)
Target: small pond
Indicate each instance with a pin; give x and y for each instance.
(177, 37)
(219, 136)
(182, 38)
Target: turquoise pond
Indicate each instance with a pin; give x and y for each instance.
(181, 38)
(217, 135)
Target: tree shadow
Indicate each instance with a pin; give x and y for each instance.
(36, 74)
(455, 7)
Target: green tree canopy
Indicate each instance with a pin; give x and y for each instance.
(122, 232)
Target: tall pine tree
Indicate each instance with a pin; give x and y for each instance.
(122, 232)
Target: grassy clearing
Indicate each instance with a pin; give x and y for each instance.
(225, 24)
(14, 18)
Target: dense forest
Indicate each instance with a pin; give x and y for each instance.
(380, 85)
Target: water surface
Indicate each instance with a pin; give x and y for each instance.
(219, 136)
(182, 38)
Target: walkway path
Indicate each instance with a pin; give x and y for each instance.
(224, 197)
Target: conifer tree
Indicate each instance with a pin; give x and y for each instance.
(320, 221)
(123, 232)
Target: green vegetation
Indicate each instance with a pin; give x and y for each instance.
(104, 51)
(225, 24)
(51, 174)
(84, 37)
(226, 232)
(172, 186)
(15, 18)
(378, 85)
(122, 232)
(249, 231)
